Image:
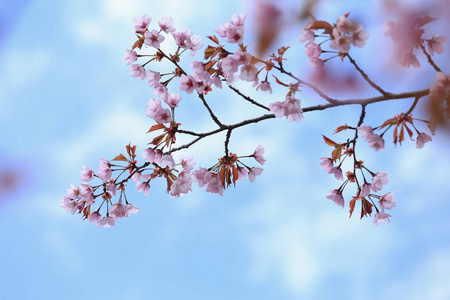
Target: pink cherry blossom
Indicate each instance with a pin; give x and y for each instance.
(187, 84)
(365, 131)
(182, 185)
(264, 86)
(248, 73)
(435, 44)
(410, 60)
(153, 78)
(365, 190)
(173, 100)
(214, 184)
(422, 138)
(292, 109)
(379, 180)
(137, 71)
(340, 42)
(111, 187)
(336, 197)
(86, 174)
(187, 163)
(152, 156)
(143, 187)
(70, 205)
(360, 36)
(277, 108)
(233, 30)
(200, 73)
(258, 154)
(312, 50)
(152, 107)
(337, 171)
(131, 57)
(327, 164)
(253, 172)
(131, 209)
(166, 24)
(94, 217)
(73, 192)
(118, 210)
(104, 170)
(141, 24)
(160, 90)
(200, 176)
(167, 161)
(87, 193)
(307, 34)
(380, 218)
(387, 201)
(242, 172)
(375, 142)
(187, 40)
(163, 115)
(106, 222)
(344, 25)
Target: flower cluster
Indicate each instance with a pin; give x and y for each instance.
(407, 33)
(341, 36)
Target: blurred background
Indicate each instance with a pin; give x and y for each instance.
(67, 98)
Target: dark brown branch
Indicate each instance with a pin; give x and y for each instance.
(366, 77)
(213, 116)
(227, 141)
(248, 98)
(363, 102)
(430, 60)
(412, 106)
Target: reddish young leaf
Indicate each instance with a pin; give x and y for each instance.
(401, 136)
(352, 206)
(329, 142)
(410, 133)
(395, 135)
(156, 127)
(138, 43)
(279, 82)
(341, 128)
(336, 154)
(214, 39)
(121, 157)
(157, 140)
(327, 27)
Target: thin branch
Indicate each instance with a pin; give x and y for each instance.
(213, 116)
(412, 106)
(366, 77)
(248, 98)
(430, 60)
(227, 141)
(361, 118)
(363, 102)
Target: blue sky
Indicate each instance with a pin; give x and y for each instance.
(66, 99)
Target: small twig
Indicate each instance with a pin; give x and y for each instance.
(213, 116)
(430, 60)
(248, 98)
(227, 141)
(366, 77)
(361, 118)
(412, 106)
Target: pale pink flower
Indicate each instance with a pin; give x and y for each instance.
(248, 73)
(292, 109)
(141, 24)
(173, 100)
(87, 193)
(187, 163)
(312, 50)
(200, 73)
(73, 192)
(182, 185)
(200, 176)
(136, 177)
(410, 60)
(118, 210)
(360, 36)
(379, 180)
(337, 171)
(327, 164)
(94, 217)
(214, 184)
(422, 138)
(365, 131)
(152, 156)
(70, 205)
(152, 107)
(435, 44)
(166, 24)
(86, 174)
(264, 86)
(387, 201)
(307, 34)
(137, 71)
(106, 222)
(365, 190)
(258, 155)
(340, 42)
(143, 187)
(238, 20)
(167, 161)
(104, 170)
(160, 90)
(163, 115)
(376, 142)
(153, 78)
(111, 187)
(253, 172)
(380, 218)
(242, 172)
(344, 25)
(336, 197)
(389, 27)
(131, 57)
(131, 209)
(187, 84)
(187, 40)
(277, 108)
(229, 65)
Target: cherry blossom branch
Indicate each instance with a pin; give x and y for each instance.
(416, 100)
(430, 60)
(366, 77)
(248, 98)
(213, 116)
